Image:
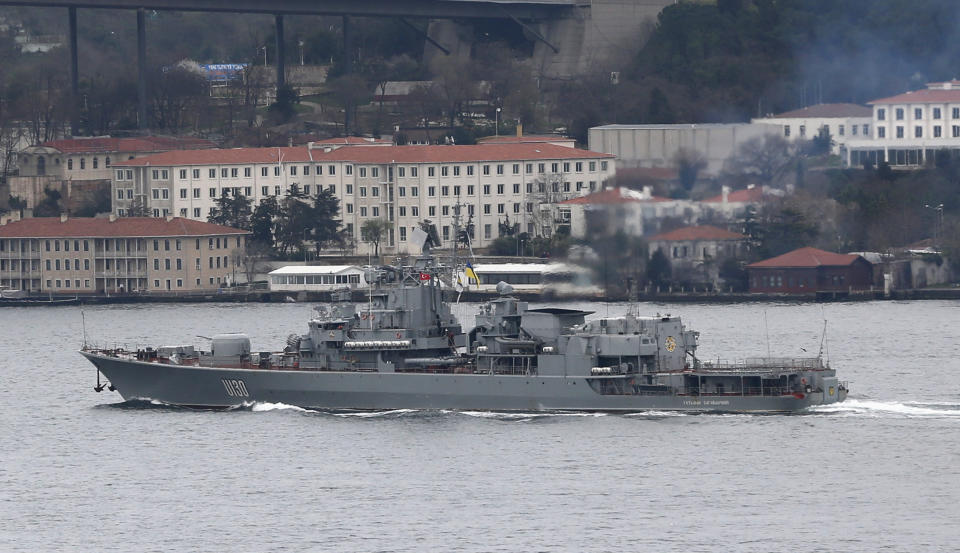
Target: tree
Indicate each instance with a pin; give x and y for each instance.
(374, 231)
(658, 269)
(17, 204)
(232, 211)
(326, 225)
(137, 208)
(179, 92)
(262, 221)
(293, 221)
(49, 206)
(765, 160)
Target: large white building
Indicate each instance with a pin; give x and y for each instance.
(402, 184)
(844, 122)
(909, 128)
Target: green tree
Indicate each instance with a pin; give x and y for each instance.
(326, 223)
(658, 269)
(49, 206)
(375, 231)
(262, 221)
(232, 211)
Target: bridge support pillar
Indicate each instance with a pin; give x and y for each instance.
(347, 69)
(142, 69)
(281, 52)
(74, 74)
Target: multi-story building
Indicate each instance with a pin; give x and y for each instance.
(909, 128)
(71, 163)
(115, 255)
(402, 184)
(844, 122)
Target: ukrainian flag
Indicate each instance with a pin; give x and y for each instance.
(471, 273)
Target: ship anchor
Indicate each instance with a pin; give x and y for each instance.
(100, 386)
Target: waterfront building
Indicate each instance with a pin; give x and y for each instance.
(810, 270)
(910, 128)
(77, 166)
(844, 122)
(696, 252)
(633, 212)
(404, 185)
(320, 278)
(116, 255)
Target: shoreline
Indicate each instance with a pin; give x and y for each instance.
(357, 295)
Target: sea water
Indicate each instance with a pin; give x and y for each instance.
(81, 471)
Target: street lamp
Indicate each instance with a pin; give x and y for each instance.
(264, 48)
(300, 44)
(497, 122)
(937, 223)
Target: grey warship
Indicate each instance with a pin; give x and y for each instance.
(402, 348)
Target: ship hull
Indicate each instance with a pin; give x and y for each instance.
(196, 386)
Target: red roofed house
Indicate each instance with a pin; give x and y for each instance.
(909, 128)
(115, 255)
(402, 184)
(731, 204)
(72, 165)
(606, 212)
(695, 252)
(809, 270)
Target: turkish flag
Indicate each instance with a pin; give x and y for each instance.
(424, 276)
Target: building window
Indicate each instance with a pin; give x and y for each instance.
(183, 174)
(332, 170)
(469, 170)
(516, 168)
(413, 171)
(899, 131)
(882, 132)
(213, 192)
(899, 114)
(401, 172)
(487, 231)
(363, 172)
(786, 131)
(212, 173)
(456, 170)
(486, 169)
(918, 113)
(956, 131)
(223, 173)
(431, 171)
(183, 193)
(840, 130)
(264, 171)
(196, 173)
(936, 113)
(918, 132)
(853, 130)
(881, 114)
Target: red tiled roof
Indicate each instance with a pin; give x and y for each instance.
(223, 156)
(806, 257)
(745, 195)
(95, 227)
(512, 139)
(614, 196)
(382, 155)
(827, 110)
(105, 144)
(926, 96)
(702, 232)
(352, 140)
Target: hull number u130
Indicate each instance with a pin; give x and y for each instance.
(235, 388)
